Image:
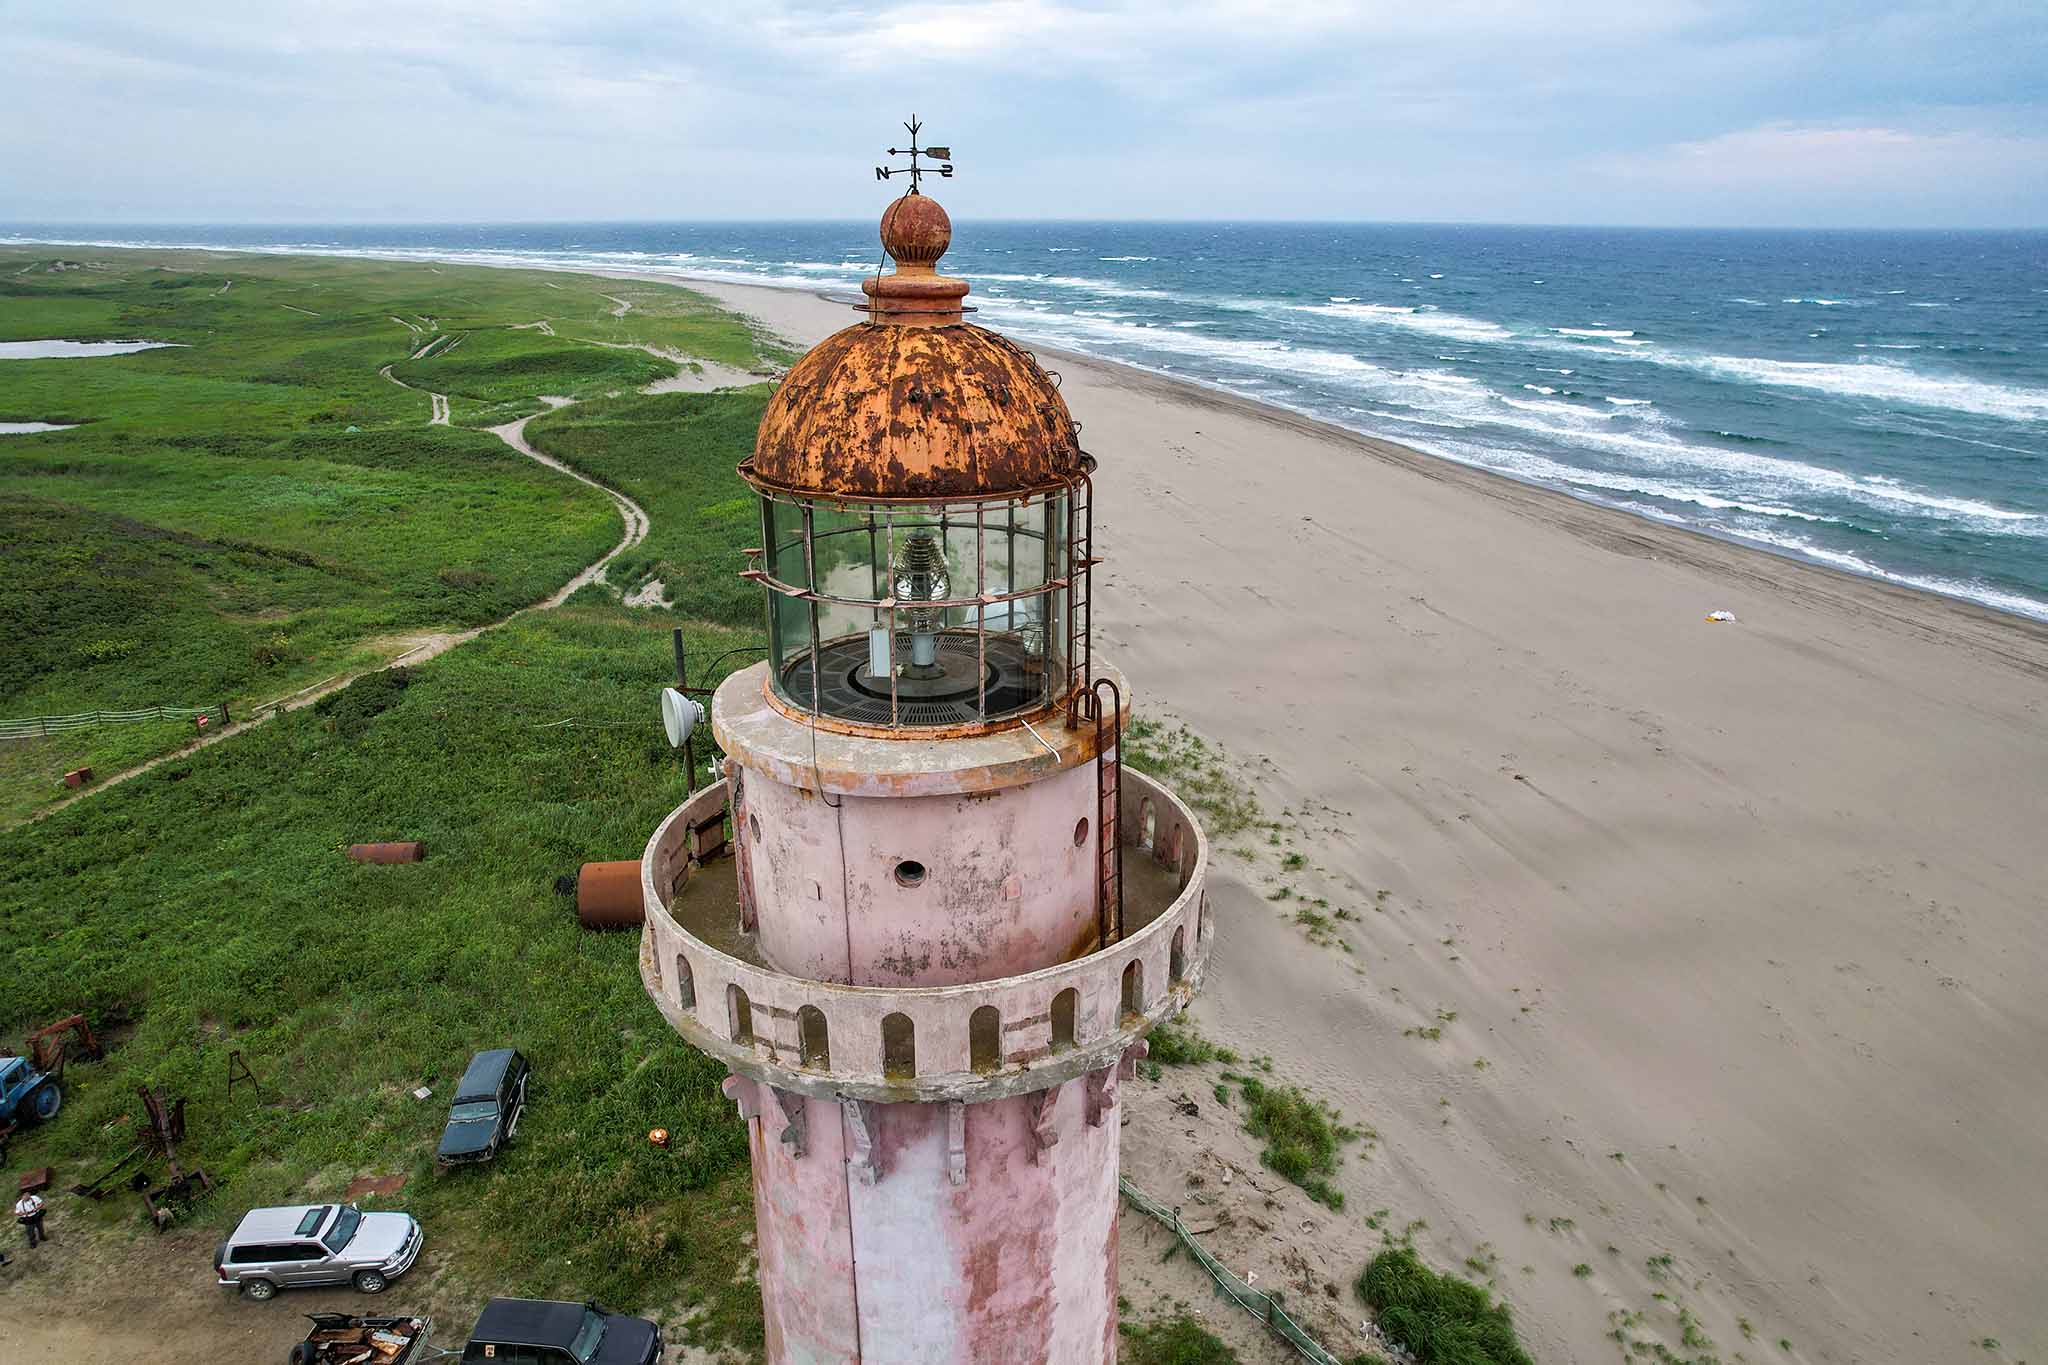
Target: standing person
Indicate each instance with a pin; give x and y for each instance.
(28, 1211)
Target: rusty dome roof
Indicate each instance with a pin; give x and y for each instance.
(915, 402)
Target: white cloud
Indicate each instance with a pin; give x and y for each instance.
(1573, 110)
(1852, 157)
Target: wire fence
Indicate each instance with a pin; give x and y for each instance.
(35, 727)
(1262, 1306)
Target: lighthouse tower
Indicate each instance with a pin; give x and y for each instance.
(944, 917)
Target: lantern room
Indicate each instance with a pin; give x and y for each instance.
(925, 514)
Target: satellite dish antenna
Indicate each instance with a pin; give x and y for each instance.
(679, 715)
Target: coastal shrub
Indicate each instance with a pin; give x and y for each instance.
(263, 478)
(1439, 1318)
(1173, 1045)
(1303, 1137)
(1173, 1341)
(353, 708)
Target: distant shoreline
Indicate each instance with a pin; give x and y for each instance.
(1595, 520)
(1649, 530)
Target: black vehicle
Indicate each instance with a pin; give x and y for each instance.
(486, 1108)
(543, 1332)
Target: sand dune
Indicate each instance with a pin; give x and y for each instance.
(1745, 921)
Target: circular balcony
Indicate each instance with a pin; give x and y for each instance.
(979, 1041)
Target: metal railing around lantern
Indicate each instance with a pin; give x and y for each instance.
(1059, 518)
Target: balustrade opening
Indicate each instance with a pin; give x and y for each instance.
(899, 1047)
(985, 1039)
(814, 1042)
(740, 1014)
(1064, 1006)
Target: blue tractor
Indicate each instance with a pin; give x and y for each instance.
(27, 1093)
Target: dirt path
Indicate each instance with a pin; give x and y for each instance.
(704, 377)
(514, 434)
(437, 403)
(622, 309)
(692, 374)
(429, 644)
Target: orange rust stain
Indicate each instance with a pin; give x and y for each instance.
(955, 411)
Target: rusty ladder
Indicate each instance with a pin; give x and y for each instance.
(1109, 796)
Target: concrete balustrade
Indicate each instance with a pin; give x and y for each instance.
(924, 1043)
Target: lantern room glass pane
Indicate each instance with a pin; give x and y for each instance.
(959, 660)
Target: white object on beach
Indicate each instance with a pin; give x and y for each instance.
(1720, 616)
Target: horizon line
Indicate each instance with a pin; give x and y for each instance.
(19, 227)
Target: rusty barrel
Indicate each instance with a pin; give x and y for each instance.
(410, 851)
(608, 896)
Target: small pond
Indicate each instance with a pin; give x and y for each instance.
(71, 350)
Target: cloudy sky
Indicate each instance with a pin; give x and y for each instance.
(1804, 112)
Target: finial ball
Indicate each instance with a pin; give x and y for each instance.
(915, 230)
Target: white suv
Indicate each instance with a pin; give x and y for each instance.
(303, 1244)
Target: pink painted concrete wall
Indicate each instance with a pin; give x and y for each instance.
(1015, 1264)
(693, 982)
(1006, 886)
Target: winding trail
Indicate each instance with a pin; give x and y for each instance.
(693, 375)
(427, 644)
(437, 403)
(514, 434)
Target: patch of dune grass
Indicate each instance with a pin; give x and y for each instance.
(494, 364)
(1198, 774)
(1304, 1136)
(1179, 1045)
(1173, 1341)
(1439, 1318)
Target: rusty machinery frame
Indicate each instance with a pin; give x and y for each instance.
(48, 1051)
(165, 1122)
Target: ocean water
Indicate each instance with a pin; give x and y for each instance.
(1877, 401)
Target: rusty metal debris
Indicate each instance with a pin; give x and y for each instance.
(409, 851)
(608, 896)
(165, 1129)
(49, 1048)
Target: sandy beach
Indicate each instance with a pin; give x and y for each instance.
(1740, 922)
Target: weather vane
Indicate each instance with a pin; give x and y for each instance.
(943, 155)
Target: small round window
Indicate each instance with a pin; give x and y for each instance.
(910, 872)
(1080, 831)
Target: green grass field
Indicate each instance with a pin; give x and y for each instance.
(208, 906)
(674, 454)
(259, 508)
